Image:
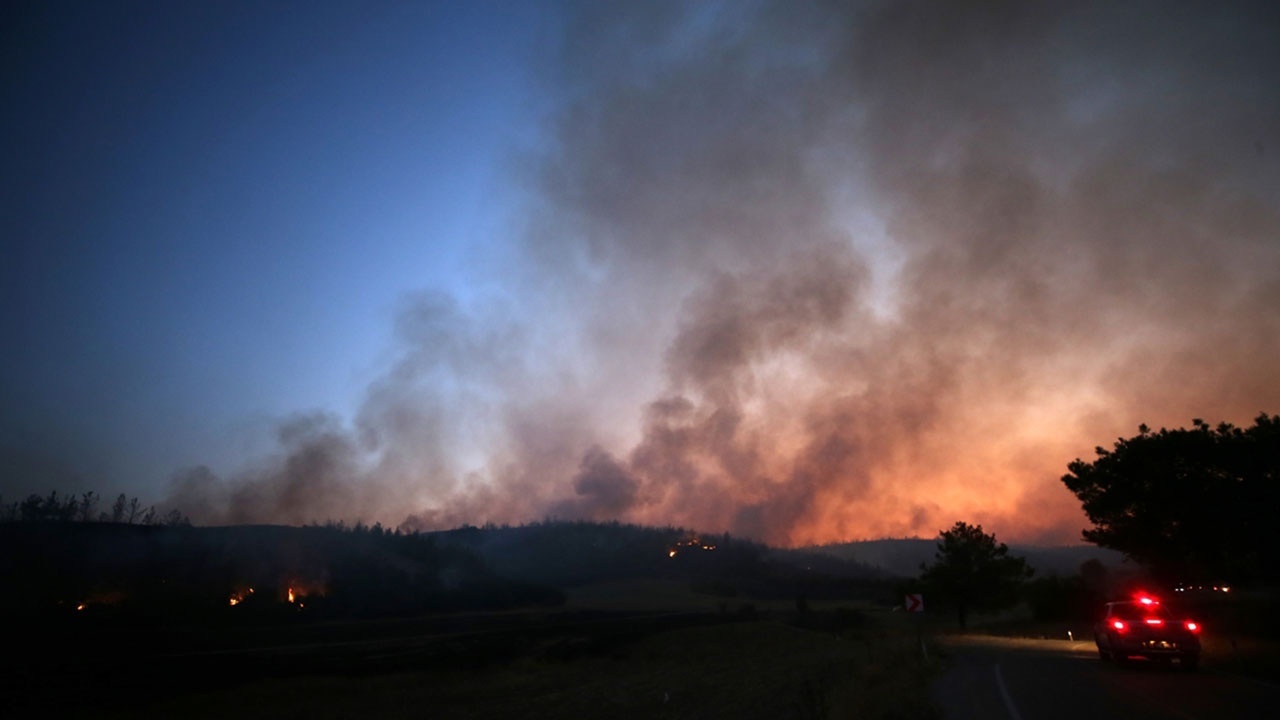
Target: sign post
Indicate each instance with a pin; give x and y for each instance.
(915, 605)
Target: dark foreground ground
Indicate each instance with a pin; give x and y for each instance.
(736, 663)
(739, 662)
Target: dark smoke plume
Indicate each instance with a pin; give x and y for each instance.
(818, 271)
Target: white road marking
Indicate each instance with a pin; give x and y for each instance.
(1004, 693)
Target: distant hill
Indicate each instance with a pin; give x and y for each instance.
(155, 572)
(902, 557)
(565, 554)
(572, 554)
(238, 572)
(1066, 560)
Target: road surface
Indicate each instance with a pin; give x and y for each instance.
(1000, 678)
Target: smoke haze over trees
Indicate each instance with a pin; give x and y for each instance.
(810, 272)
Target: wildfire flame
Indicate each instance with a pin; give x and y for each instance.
(295, 592)
(298, 590)
(690, 544)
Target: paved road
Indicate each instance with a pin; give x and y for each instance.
(1002, 679)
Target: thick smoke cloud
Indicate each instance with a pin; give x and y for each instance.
(813, 272)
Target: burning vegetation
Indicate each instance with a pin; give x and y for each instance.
(690, 544)
(297, 592)
(153, 574)
(293, 591)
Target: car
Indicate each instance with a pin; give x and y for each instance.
(1144, 627)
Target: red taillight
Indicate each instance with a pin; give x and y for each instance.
(1193, 626)
(1118, 624)
(1154, 621)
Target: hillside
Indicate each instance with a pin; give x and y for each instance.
(903, 557)
(239, 572)
(176, 572)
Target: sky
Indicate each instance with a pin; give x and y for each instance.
(802, 272)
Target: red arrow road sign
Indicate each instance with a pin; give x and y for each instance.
(915, 603)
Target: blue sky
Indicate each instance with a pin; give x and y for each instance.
(212, 211)
(797, 271)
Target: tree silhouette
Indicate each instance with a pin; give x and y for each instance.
(971, 571)
(84, 513)
(53, 508)
(69, 508)
(118, 509)
(1189, 504)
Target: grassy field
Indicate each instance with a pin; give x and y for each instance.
(634, 649)
(640, 651)
(741, 669)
